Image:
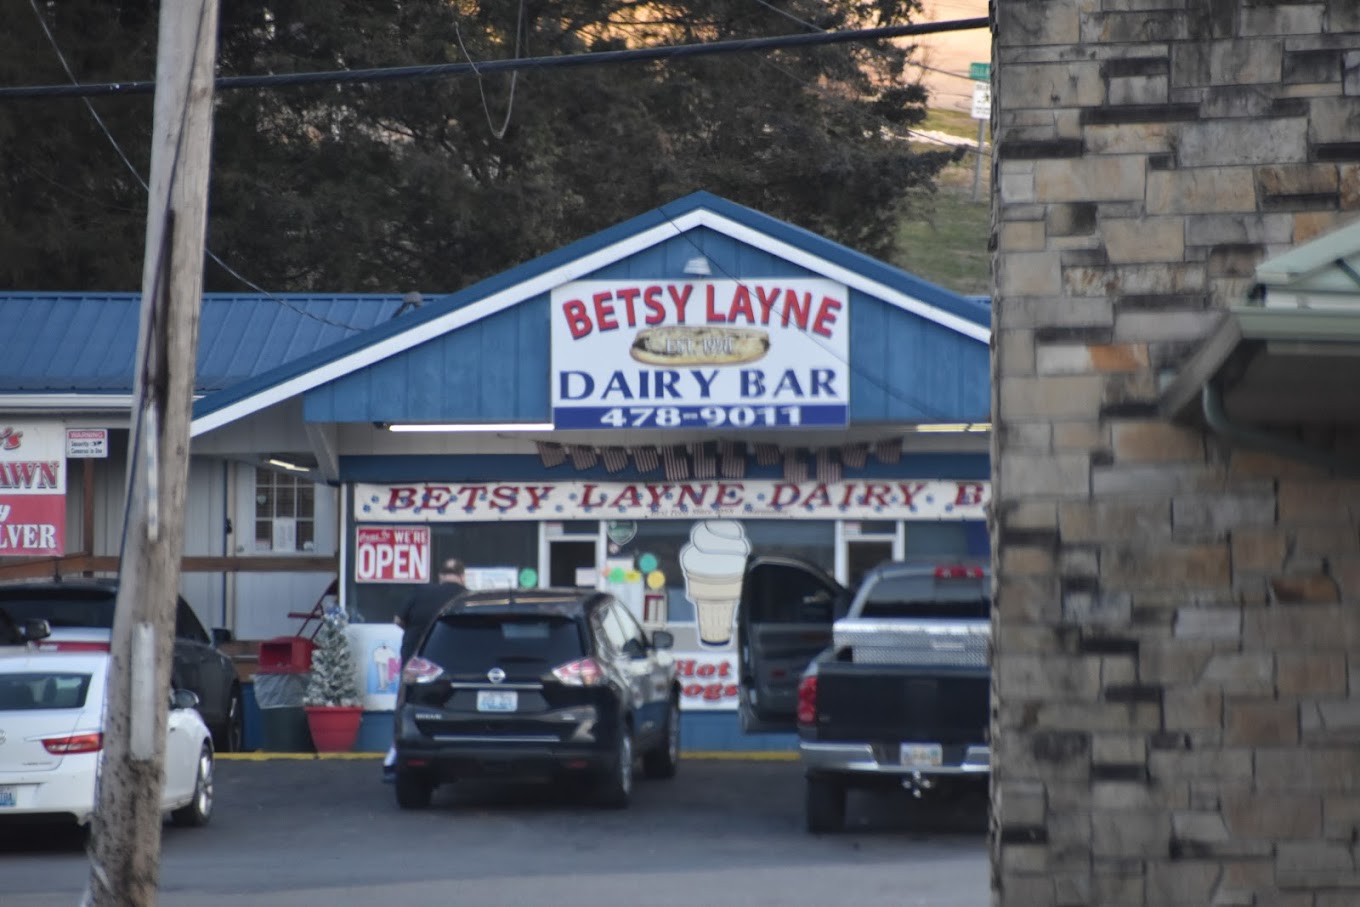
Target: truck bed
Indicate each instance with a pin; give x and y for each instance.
(891, 704)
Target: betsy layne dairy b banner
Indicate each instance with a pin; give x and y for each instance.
(704, 353)
(435, 502)
(32, 489)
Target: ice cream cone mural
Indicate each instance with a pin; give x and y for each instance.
(714, 563)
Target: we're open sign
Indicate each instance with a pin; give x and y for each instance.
(392, 554)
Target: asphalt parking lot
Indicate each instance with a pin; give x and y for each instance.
(305, 832)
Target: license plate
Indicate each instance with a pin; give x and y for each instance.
(9, 796)
(497, 700)
(922, 755)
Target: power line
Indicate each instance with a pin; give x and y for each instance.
(815, 27)
(136, 174)
(449, 70)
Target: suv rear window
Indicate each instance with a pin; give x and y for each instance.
(76, 609)
(461, 643)
(30, 692)
(927, 598)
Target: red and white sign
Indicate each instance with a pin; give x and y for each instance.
(32, 489)
(661, 354)
(708, 682)
(901, 499)
(392, 554)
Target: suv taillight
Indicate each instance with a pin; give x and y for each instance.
(76, 743)
(807, 700)
(420, 670)
(958, 571)
(585, 672)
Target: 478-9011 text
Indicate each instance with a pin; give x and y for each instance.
(707, 416)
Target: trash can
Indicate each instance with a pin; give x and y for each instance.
(280, 682)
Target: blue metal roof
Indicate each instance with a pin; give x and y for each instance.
(965, 309)
(86, 342)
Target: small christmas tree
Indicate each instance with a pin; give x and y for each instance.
(332, 681)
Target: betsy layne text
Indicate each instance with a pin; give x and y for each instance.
(434, 502)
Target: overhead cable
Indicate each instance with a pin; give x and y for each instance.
(450, 70)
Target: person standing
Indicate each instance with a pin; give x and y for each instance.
(424, 604)
(415, 618)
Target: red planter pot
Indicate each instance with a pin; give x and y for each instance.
(334, 728)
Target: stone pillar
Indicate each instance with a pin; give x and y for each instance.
(1176, 674)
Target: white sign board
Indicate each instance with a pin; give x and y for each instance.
(708, 680)
(392, 554)
(747, 499)
(663, 354)
(478, 579)
(87, 443)
(982, 100)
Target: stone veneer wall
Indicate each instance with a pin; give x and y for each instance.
(1177, 632)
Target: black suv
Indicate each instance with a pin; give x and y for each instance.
(80, 614)
(537, 684)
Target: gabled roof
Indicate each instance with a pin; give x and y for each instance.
(969, 317)
(1322, 272)
(85, 343)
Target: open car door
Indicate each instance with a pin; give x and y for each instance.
(783, 621)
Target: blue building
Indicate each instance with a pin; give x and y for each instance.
(638, 411)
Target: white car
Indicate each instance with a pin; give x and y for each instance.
(52, 739)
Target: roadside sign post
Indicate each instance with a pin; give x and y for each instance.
(981, 73)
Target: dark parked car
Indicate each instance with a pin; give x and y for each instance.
(537, 683)
(80, 615)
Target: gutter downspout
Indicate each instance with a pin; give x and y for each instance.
(1211, 400)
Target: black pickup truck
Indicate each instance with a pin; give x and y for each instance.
(890, 686)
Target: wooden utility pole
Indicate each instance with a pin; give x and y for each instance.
(125, 859)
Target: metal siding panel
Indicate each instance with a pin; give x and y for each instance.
(499, 347)
(425, 374)
(533, 402)
(869, 346)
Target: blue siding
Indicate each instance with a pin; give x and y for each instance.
(903, 368)
(493, 370)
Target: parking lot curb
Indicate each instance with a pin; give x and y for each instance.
(716, 756)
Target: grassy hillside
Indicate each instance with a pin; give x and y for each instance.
(944, 237)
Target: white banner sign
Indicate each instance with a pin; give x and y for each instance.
(901, 499)
(703, 353)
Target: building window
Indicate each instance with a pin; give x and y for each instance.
(285, 513)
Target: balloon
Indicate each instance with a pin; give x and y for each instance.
(656, 579)
(616, 575)
(632, 576)
(528, 578)
(647, 563)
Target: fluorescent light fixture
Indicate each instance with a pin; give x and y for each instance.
(284, 464)
(954, 427)
(472, 426)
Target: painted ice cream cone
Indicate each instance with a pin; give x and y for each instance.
(713, 564)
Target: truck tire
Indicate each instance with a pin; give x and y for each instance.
(825, 806)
